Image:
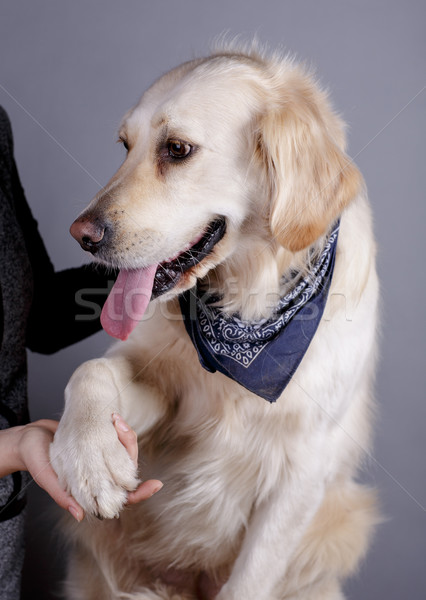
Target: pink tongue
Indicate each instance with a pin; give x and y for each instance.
(127, 301)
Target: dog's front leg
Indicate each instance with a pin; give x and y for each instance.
(277, 526)
(86, 453)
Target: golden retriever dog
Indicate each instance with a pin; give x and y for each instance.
(246, 308)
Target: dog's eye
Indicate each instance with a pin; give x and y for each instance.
(124, 142)
(178, 149)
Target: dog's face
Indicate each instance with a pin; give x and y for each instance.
(182, 189)
(213, 147)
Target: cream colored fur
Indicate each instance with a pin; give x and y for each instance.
(259, 500)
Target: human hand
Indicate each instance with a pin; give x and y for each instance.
(26, 448)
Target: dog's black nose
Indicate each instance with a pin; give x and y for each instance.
(89, 233)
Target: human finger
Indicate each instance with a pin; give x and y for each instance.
(48, 480)
(127, 437)
(35, 452)
(144, 491)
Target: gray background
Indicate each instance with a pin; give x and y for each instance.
(69, 70)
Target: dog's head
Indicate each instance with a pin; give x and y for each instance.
(221, 148)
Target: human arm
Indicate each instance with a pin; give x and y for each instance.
(65, 305)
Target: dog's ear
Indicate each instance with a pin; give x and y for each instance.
(311, 179)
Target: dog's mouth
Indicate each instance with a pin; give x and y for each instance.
(130, 296)
(169, 272)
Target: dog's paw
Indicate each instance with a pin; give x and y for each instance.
(94, 467)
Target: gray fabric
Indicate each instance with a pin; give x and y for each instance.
(16, 288)
(12, 557)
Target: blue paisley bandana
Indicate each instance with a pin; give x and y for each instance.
(263, 355)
